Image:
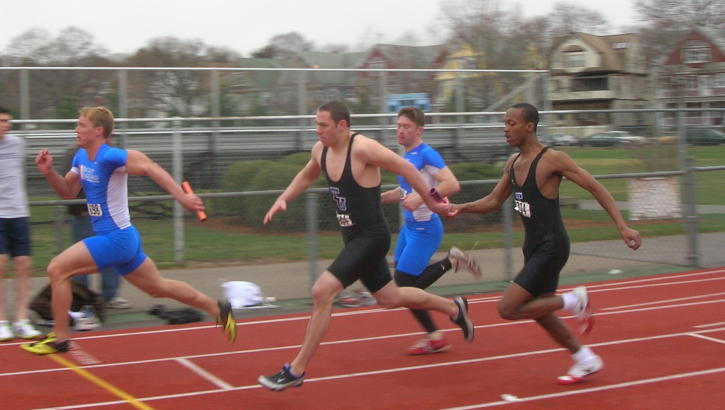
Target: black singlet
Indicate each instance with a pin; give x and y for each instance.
(357, 207)
(546, 243)
(364, 230)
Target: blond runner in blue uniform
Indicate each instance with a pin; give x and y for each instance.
(102, 171)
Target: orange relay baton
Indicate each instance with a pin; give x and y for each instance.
(187, 188)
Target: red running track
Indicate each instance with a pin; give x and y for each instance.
(662, 339)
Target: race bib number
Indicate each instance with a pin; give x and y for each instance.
(344, 220)
(95, 210)
(521, 206)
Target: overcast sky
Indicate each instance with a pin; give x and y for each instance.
(124, 26)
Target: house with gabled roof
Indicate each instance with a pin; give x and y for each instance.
(391, 56)
(320, 86)
(589, 72)
(253, 90)
(693, 74)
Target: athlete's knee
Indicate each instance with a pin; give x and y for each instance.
(388, 300)
(55, 270)
(322, 294)
(507, 311)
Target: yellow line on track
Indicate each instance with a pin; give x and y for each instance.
(101, 383)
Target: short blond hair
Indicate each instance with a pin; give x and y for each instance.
(99, 117)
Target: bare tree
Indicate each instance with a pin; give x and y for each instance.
(682, 13)
(568, 17)
(60, 93)
(665, 22)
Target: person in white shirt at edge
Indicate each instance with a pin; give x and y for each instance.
(14, 231)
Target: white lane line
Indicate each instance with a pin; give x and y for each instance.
(709, 325)
(447, 364)
(204, 374)
(593, 287)
(651, 279)
(712, 339)
(658, 302)
(356, 340)
(593, 389)
(82, 356)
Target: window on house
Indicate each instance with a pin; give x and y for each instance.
(691, 82)
(720, 80)
(376, 62)
(575, 60)
(696, 52)
(468, 63)
(620, 45)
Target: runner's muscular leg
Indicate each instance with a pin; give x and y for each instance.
(147, 278)
(324, 292)
(559, 332)
(392, 296)
(76, 260)
(517, 303)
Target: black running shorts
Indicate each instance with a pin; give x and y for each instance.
(364, 258)
(543, 263)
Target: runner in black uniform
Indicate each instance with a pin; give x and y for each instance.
(356, 193)
(364, 229)
(533, 176)
(546, 245)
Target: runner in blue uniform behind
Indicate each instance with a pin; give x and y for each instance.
(422, 233)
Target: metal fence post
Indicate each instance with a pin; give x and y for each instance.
(301, 107)
(460, 105)
(123, 106)
(688, 190)
(24, 96)
(690, 200)
(383, 106)
(178, 173)
(311, 219)
(215, 112)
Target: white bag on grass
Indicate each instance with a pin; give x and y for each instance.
(243, 294)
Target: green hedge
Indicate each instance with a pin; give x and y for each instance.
(262, 175)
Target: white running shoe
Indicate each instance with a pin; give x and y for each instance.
(580, 370)
(88, 320)
(118, 303)
(6, 333)
(465, 261)
(24, 330)
(583, 310)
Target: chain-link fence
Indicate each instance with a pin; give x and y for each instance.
(239, 158)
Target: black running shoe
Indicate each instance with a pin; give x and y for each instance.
(282, 379)
(462, 319)
(226, 320)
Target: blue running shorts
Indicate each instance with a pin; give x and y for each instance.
(417, 242)
(120, 250)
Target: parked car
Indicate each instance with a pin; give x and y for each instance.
(559, 140)
(696, 136)
(611, 138)
(704, 136)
